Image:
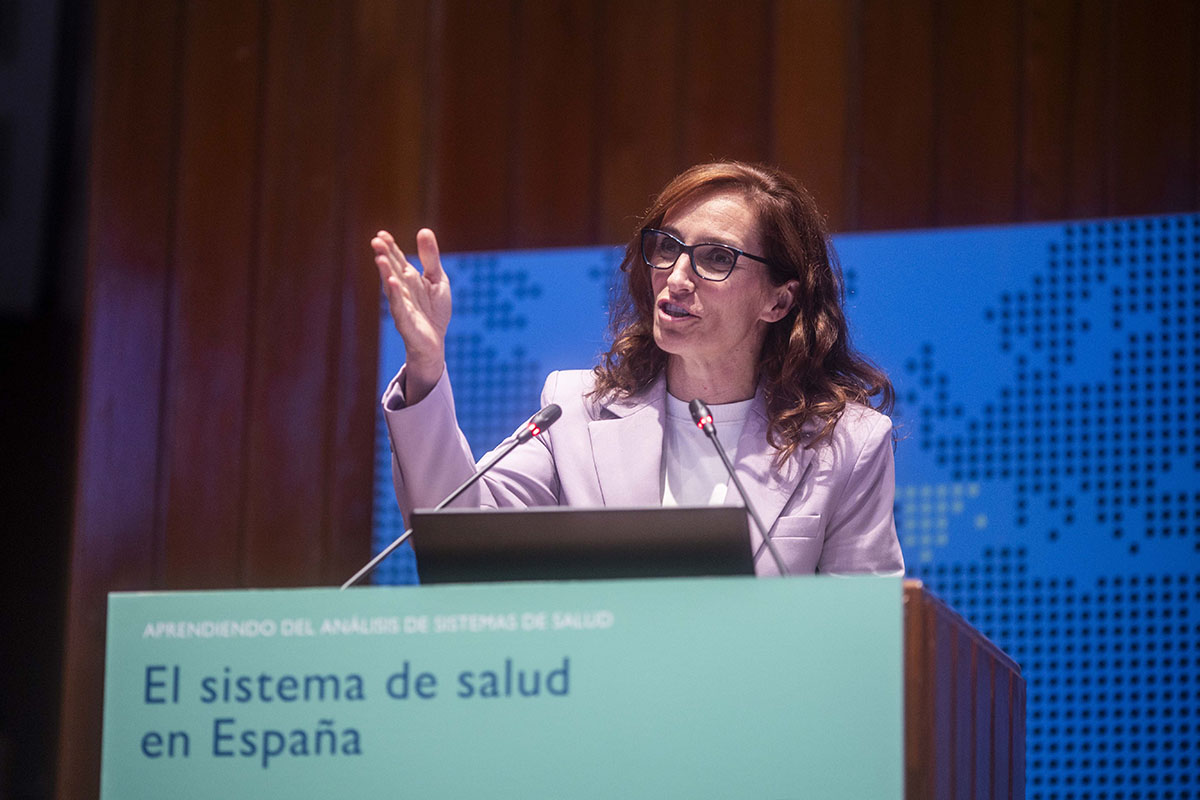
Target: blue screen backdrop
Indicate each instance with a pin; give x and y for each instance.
(1048, 383)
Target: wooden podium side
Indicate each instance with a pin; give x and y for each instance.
(964, 710)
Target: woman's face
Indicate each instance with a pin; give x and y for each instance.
(712, 328)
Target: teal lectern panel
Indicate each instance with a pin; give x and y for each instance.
(727, 687)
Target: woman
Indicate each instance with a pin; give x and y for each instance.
(731, 297)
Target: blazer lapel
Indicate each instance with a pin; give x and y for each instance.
(768, 488)
(627, 447)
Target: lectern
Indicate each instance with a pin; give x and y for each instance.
(682, 687)
(964, 707)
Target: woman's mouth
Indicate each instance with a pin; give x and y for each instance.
(673, 310)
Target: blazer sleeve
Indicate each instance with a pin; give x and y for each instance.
(861, 534)
(431, 456)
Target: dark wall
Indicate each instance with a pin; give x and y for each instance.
(243, 154)
(43, 133)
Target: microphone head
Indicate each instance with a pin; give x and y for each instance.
(701, 416)
(539, 422)
(547, 416)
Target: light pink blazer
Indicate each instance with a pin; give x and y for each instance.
(829, 509)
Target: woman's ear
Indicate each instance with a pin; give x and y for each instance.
(785, 298)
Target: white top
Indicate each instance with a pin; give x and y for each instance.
(692, 471)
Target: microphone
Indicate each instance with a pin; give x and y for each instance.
(704, 421)
(536, 424)
(530, 430)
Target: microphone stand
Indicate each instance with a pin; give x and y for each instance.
(538, 423)
(704, 421)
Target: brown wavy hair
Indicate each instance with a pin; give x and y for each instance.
(808, 369)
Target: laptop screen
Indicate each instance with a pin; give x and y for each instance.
(558, 543)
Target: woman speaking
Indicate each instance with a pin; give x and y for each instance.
(731, 296)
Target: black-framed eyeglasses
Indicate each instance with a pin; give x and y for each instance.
(710, 261)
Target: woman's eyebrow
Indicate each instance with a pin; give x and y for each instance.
(671, 229)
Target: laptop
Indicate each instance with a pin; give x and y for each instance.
(560, 543)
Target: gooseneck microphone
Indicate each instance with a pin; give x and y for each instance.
(704, 421)
(534, 427)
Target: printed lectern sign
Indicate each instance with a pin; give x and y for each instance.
(723, 687)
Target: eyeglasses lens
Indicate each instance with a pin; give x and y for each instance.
(714, 261)
(711, 261)
(659, 249)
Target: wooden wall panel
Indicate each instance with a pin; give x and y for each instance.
(384, 128)
(555, 151)
(1050, 115)
(640, 99)
(204, 468)
(295, 284)
(814, 101)
(1155, 106)
(115, 544)
(1088, 139)
(726, 86)
(388, 124)
(896, 168)
(472, 146)
(977, 66)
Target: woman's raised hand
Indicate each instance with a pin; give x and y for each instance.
(420, 306)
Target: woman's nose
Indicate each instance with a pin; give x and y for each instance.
(682, 277)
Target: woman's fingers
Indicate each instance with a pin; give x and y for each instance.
(419, 301)
(384, 261)
(388, 255)
(430, 255)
